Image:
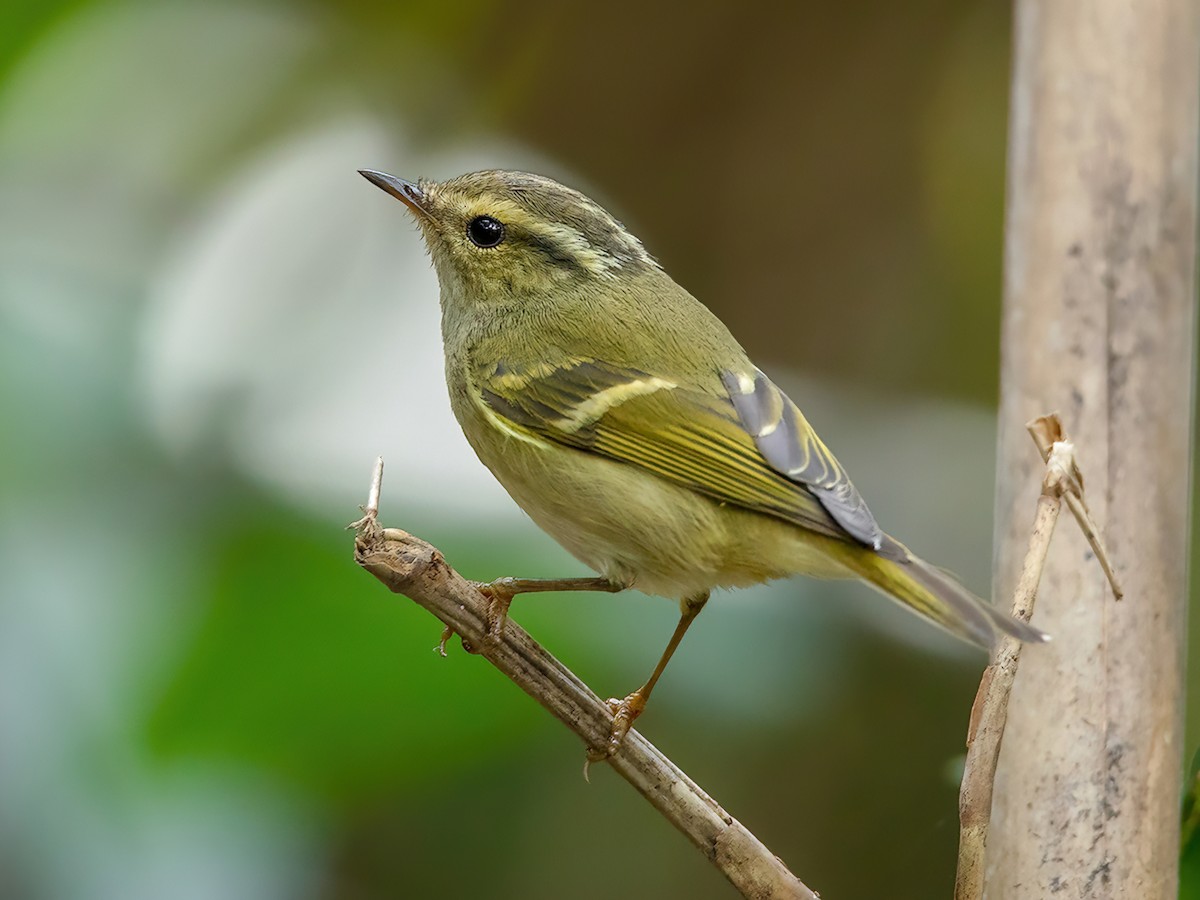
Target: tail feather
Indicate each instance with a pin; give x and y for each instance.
(937, 596)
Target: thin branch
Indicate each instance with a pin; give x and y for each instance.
(1047, 431)
(407, 565)
(989, 713)
(372, 508)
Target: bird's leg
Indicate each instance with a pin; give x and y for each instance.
(627, 710)
(500, 594)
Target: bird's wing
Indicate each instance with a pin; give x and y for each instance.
(791, 446)
(748, 446)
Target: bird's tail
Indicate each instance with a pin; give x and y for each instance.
(936, 595)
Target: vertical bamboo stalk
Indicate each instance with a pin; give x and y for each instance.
(1099, 323)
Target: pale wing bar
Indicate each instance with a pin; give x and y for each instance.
(689, 437)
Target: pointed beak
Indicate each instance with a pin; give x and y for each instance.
(405, 191)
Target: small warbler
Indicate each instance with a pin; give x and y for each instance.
(626, 420)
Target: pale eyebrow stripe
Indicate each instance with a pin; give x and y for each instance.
(573, 246)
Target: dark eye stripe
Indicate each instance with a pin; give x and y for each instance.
(551, 251)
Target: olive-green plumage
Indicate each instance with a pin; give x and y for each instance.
(627, 421)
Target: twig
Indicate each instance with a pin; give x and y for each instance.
(1047, 431)
(407, 565)
(989, 712)
(371, 510)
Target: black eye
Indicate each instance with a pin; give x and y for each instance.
(484, 231)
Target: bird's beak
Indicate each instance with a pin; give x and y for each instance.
(404, 191)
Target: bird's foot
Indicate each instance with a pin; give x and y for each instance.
(499, 594)
(625, 712)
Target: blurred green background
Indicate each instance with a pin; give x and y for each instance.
(210, 326)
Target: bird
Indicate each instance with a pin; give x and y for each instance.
(626, 420)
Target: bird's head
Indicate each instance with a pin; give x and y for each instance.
(498, 236)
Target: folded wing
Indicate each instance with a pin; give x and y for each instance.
(749, 445)
(789, 444)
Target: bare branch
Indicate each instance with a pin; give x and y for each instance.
(407, 565)
(372, 508)
(989, 713)
(1047, 433)
(1099, 313)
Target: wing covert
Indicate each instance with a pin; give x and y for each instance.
(716, 444)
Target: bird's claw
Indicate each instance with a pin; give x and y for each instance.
(499, 594)
(625, 712)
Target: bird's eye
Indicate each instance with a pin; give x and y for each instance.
(484, 231)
